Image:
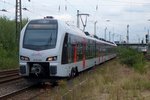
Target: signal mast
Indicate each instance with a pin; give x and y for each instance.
(18, 18)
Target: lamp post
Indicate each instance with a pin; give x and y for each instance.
(95, 27)
(109, 36)
(105, 36)
(105, 33)
(128, 33)
(113, 35)
(148, 32)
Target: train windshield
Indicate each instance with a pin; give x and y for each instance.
(41, 35)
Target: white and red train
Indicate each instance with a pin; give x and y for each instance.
(51, 49)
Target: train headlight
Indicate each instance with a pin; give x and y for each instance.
(51, 58)
(24, 58)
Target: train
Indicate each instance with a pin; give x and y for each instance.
(50, 49)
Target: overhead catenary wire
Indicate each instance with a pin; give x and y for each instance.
(95, 9)
(72, 7)
(97, 6)
(129, 2)
(8, 3)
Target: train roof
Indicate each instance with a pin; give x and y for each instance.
(74, 30)
(87, 35)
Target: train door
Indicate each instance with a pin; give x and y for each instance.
(99, 53)
(75, 52)
(83, 53)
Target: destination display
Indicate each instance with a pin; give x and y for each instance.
(42, 26)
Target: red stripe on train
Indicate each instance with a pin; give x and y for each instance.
(75, 53)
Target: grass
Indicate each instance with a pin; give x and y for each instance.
(110, 81)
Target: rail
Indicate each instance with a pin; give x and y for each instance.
(9, 75)
(2, 97)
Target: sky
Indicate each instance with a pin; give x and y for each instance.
(113, 14)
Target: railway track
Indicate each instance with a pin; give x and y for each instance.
(10, 94)
(12, 84)
(9, 75)
(30, 92)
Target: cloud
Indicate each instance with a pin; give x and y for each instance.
(119, 12)
(138, 9)
(65, 17)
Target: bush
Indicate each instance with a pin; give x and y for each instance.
(8, 43)
(8, 59)
(132, 58)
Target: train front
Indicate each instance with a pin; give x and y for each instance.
(38, 41)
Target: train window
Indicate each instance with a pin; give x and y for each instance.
(69, 50)
(40, 36)
(65, 50)
(80, 51)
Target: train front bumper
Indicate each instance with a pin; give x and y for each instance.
(48, 69)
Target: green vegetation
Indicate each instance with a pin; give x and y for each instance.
(8, 44)
(110, 81)
(132, 58)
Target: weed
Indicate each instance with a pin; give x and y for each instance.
(132, 58)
